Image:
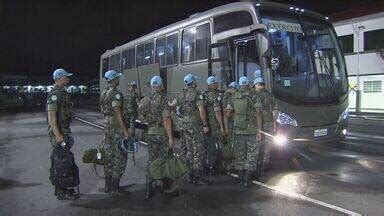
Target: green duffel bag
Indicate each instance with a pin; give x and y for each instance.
(167, 166)
(90, 156)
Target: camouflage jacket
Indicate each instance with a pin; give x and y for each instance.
(213, 103)
(267, 102)
(187, 102)
(109, 99)
(59, 100)
(131, 100)
(154, 108)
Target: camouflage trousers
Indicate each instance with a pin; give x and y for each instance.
(193, 145)
(115, 160)
(211, 141)
(246, 151)
(267, 142)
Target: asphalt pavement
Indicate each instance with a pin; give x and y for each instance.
(318, 180)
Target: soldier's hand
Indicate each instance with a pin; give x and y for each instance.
(59, 138)
(171, 143)
(206, 129)
(259, 136)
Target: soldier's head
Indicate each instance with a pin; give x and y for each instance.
(244, 82)
(156, 83)
(61, 77)
(190, 80)
(113, 77)
(132, 86)
(213, 83)
(259, 83)
(232, 87)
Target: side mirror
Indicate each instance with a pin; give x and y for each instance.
(263, 43)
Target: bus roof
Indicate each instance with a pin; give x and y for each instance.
(198, 17)
(195, 18)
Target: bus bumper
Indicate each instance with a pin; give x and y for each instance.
(293, 136)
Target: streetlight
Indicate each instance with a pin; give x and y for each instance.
(357, 30)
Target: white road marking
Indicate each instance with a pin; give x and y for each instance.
(302, 197)
(273, 188)
(90, 123)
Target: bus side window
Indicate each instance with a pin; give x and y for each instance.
(172, 49)
(105, 65)
(148, 53)
(114, 63)
(203, 40)
(188, 46)
(160, 51)
(140, 55)
(124, 60)
(131, 58)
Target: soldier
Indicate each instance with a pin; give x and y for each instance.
(131, 100)
(266, 107)
(60, 115)
(247, 136)
(193, 122)
(154, 111)
(215, 120)
(111, 104)
(228, 125)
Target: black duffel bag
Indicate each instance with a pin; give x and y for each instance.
(64, 171)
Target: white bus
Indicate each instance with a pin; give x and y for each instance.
(296, 50)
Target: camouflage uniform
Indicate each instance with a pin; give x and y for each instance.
(213, 103)
(267, 105)
(131, 100)
(115, 160)
(188, 101)
(59, 101)
(228, 145)
(245, 133)
(154, 108)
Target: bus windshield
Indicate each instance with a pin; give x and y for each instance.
(306, 61)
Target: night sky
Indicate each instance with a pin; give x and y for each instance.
(38, 36)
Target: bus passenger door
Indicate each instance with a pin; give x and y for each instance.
(145, 73)
(247, 57)
(220, 63)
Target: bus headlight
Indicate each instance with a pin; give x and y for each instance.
(280, 140)
(285, 119)
(343, 115)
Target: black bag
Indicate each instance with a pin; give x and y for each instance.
(64, 171)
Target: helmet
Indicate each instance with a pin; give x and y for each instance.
(211, 80)
(189, 78)
(257, 73)
(58, 73)
(111, 74)
(233, 85)
(243, 81)
(156, 81)
(128, 145)
(258, 80)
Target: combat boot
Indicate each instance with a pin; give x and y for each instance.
(148, 189)
(108, 184)
(116, 190)
(247, 179)
(200, 180)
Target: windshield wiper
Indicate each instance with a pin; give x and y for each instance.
(328, 73)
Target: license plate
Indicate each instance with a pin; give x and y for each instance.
(320, 132)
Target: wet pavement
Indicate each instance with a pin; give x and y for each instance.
(306, 181)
